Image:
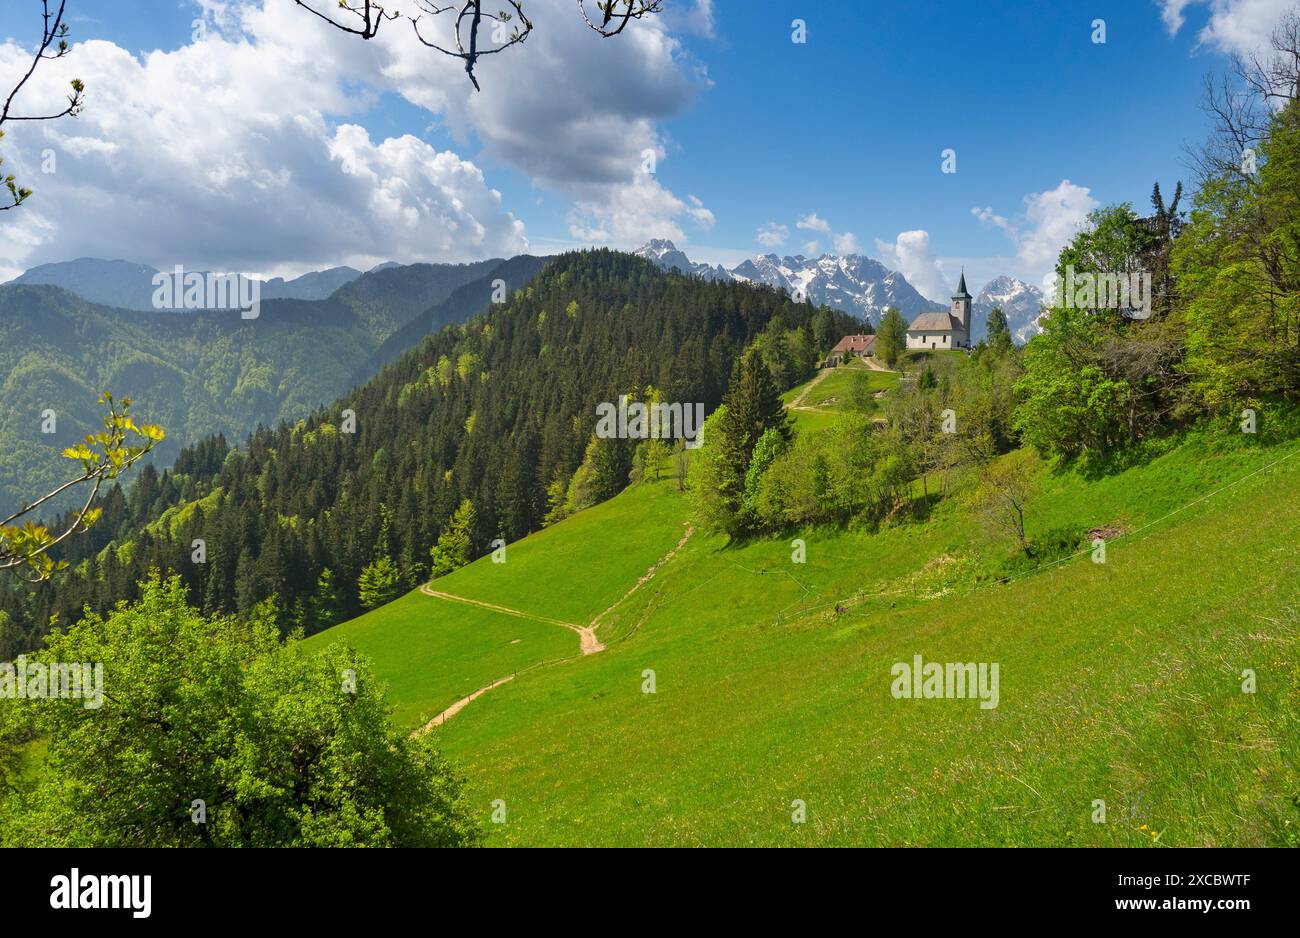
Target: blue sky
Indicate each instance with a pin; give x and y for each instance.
(756, 130)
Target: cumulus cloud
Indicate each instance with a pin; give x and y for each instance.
(632, 214)
(1234, 26)
(698, 18)
(243, 149)
(910, 255)
(811, 222)
(576, 113)
(772, 235)
(1049, 221)
(847, 243)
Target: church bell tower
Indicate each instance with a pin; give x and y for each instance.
(961, 301)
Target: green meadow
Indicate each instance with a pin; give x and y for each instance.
(1120, 682)
(432, 652)
(821, 400)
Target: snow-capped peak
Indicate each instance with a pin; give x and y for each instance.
(1021, 303)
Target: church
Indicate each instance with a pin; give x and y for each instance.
(949, 330)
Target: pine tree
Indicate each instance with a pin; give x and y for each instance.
(892, 340)
(379, 583)
(326, 605)
(754, 406)
(455, 543)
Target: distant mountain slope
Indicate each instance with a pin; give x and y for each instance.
(197, 374)
(1020, 301)
(317, 285)
(130, 286)
(109, 283)
(387, 298)
(665, 254)
(852, 283)
(859, 285)
(464, 302)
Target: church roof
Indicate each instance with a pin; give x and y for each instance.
(936, 322)
(961, 289)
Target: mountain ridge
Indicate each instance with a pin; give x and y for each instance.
(858, 284)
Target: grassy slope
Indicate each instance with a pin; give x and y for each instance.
(831, 394)
(1119, 682)
(433, 652)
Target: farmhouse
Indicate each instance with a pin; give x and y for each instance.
(947, 330)
(851, 346)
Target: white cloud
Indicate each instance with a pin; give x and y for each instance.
(772, 235)
(183, 157)
(698, 19)
(699, 214)
(190, 156)
(1050, 220)
(847, 243)
(630, 215)
(910, 255)
(812, 248)
(1234, 26)
(811, 222)
(1172, 13)
(576, 113)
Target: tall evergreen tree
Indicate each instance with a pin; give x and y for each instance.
(892, 339)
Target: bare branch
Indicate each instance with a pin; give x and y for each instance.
(467, 18)
(467, 43)
(372, 15)
(609, 9)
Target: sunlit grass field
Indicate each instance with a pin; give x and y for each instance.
(1119, 682)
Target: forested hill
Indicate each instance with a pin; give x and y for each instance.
(463, 302)
(199, 372)
(496, 411)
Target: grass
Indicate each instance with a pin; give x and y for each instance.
(432, 652)
(1119, 682)
(832, 393)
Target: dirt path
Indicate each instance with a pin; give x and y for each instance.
(797, 403)
(430, 591)
(461, 704)
(649, 575)
(876, 366)
(588, 641)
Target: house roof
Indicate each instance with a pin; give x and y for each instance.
(935, 322)
(855, 343)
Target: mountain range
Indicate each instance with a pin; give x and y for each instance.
(125, 285)
(859, 285)
(209, 371)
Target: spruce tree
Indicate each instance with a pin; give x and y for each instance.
(455, 543)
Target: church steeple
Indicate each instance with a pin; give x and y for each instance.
(961, 287)
(961, 302)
